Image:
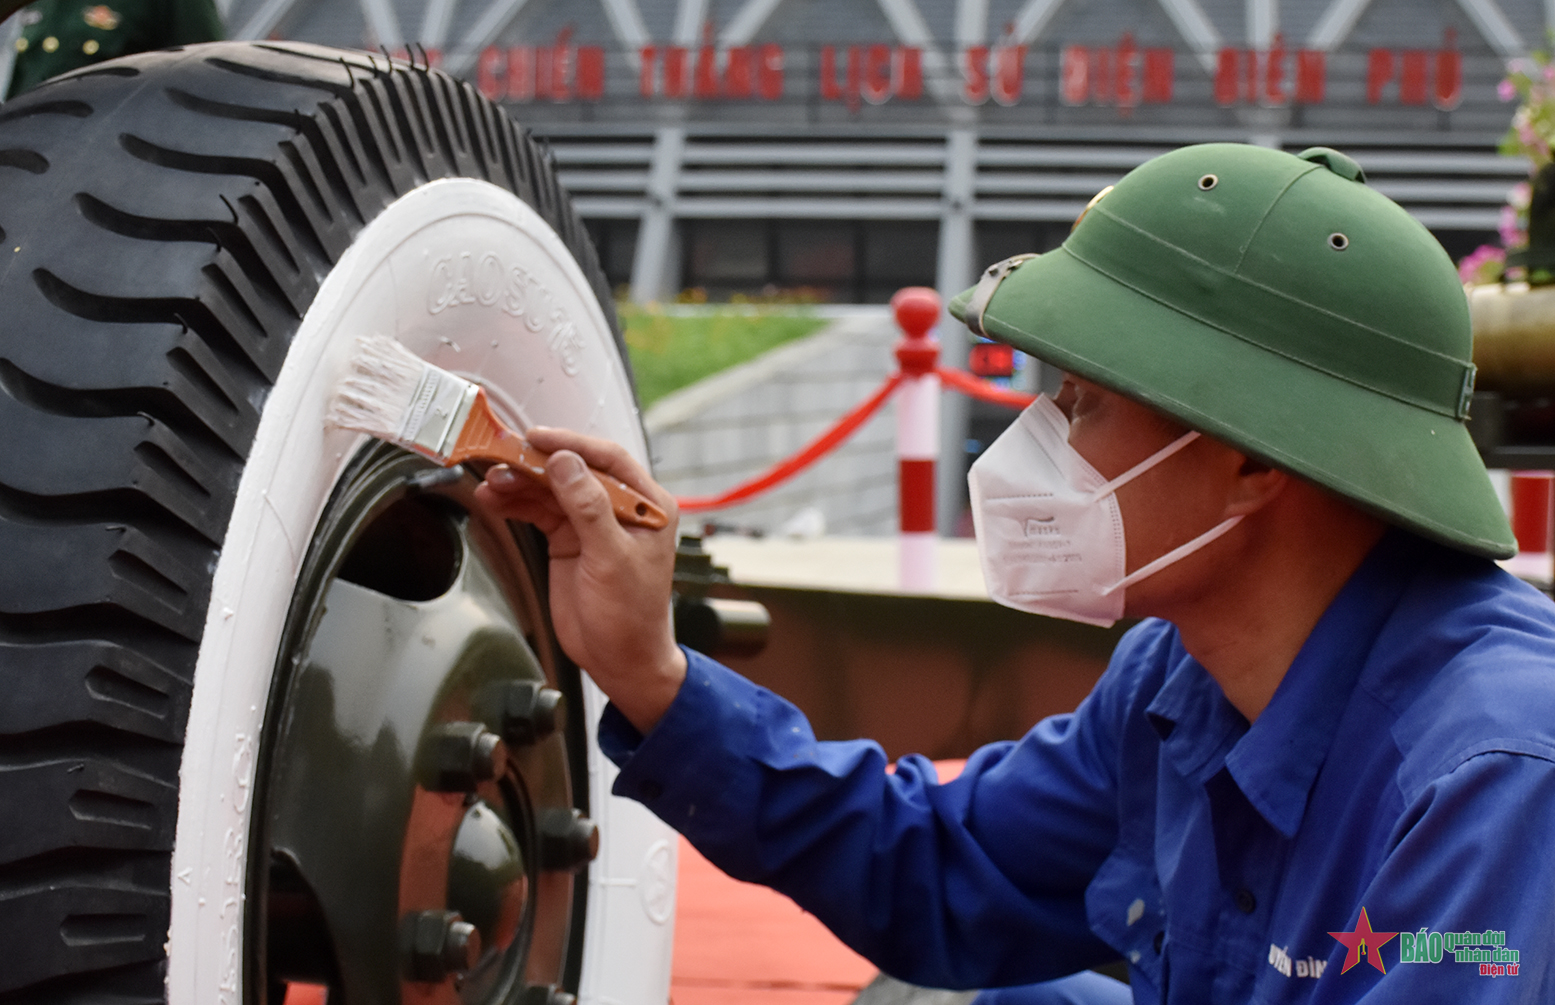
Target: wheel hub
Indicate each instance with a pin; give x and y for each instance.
(418, 825)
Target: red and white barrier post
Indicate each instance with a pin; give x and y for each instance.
(917, 310)
(1533, 522)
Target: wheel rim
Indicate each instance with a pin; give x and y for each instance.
(416, 834)
(572, 377)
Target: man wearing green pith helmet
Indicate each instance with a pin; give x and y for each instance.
(1333, 733)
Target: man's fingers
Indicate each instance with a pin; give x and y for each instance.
(518, 497)
(585, 503)
(602, 455)
(503, 478)
(505, 488)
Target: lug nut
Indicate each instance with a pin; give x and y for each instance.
(531, 712)
(464, 754)
(568, 840)
(546, 994)
(439, 944)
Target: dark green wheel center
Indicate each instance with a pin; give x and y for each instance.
(418, 835)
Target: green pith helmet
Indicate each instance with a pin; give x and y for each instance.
(1275, 303)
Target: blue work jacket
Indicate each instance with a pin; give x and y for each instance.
(1405, 765)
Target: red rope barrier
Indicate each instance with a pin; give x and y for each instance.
(975, 387)
(958, 380)
(813, 452)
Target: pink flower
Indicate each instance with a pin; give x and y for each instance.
(1482, 265)
(1506, 90)
(1511, 233)
(1520, 196)
(1533, 143)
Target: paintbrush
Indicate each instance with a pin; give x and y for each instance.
(394, 395)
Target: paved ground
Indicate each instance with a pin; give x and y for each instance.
(885, 991)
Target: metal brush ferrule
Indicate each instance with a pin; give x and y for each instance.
(437, 413)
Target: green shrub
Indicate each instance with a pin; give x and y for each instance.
(671, 351)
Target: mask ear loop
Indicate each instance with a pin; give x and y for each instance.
(1179, 552)
(1143, 466)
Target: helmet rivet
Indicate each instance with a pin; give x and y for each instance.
(1208, 182)
(1338, 241)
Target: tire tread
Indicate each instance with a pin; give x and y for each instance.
(245, 170)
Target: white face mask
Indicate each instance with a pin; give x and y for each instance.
(1049, 531)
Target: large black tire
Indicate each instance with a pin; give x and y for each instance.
(166, 222)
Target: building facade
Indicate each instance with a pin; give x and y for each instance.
(846, 148)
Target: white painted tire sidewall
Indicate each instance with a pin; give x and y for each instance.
(468, 276)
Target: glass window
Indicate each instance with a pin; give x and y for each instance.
(725, 252)
(898, 253)
(817, 252)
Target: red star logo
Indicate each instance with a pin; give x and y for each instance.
(1363, 942)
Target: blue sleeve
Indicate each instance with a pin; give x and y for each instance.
(1471, 854)
(979, 882)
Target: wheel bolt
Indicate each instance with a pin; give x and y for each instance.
(439, 944)
(546, 994)
(531, 712)
(568, 840)
(464, 754)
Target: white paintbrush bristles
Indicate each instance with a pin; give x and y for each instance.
(397, 396)
(377, 396)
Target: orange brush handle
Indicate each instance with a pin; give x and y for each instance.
(485, 437)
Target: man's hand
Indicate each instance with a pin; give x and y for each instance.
(610, 585)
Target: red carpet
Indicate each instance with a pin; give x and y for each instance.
(740, 944)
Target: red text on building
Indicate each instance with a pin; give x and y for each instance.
(557, 72)
(998, 73)
(1274, 76)
(1416, 76)
(1123, 75)
(871, 73)
(740, 73)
